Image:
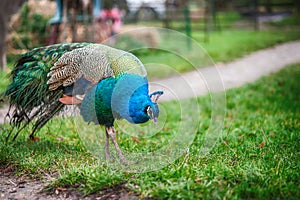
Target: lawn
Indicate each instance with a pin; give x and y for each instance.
(257, 158)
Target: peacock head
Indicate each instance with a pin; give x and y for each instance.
(143, 108)
(130, 99)
(152, 110)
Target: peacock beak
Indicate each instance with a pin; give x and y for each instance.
(155, 121)
(151, 115)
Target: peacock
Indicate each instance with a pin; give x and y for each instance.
(105, 83)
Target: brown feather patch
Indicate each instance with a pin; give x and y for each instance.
(69, 100)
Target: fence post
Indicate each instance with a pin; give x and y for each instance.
(188, 29)
(256, 15)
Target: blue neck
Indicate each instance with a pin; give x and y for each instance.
(125, 96)
(130, 98)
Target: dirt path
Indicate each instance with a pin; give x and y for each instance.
(224, 76)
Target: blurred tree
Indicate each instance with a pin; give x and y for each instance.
(7, 9)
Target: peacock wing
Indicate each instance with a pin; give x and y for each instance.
(77, 71)
(121, 62)
(89, 63)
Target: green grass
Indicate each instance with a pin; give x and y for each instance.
(230, 44)
(238, 167)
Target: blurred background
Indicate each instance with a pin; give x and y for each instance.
(33, 23)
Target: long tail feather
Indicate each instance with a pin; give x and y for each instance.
(29, 97)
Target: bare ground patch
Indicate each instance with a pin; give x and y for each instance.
(24, 187)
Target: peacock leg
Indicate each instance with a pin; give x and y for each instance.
(112, 133)
(107, 153)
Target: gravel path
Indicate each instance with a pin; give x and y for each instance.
(195, 83)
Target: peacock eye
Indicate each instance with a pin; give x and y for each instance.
(147, 109)
(150, 112)
(54, 55)
(45, 57)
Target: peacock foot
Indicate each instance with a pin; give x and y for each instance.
(33, 138)
(123, 160)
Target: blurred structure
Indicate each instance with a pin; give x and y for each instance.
(206, 13)
(260, 11)
(144, 10)
(182, 15)
(85, 20)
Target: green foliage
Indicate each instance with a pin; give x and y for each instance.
(31, 31)
(257, 158)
